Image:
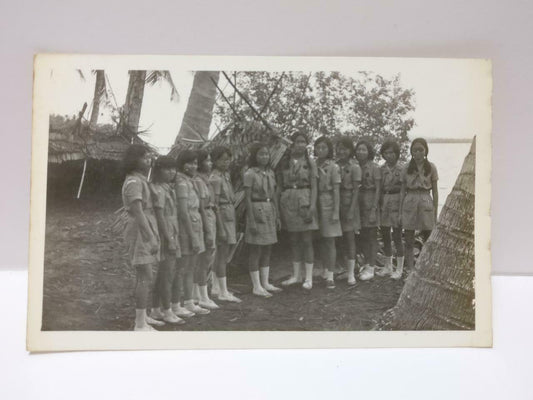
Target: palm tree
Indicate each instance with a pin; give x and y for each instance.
(439, 293)
(99, 91)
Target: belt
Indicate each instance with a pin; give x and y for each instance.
(267, 200)
(296, 187)
(419, 190)
(391, 191)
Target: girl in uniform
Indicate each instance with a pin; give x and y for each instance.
(164, 201)
(420, 197)
(141, 233)
(297, 180)
(261, 218)
(391, 173)
(349, 205)
(207, 210)
(368, 205)
(329, 180)
(225, 213)
(191, 227)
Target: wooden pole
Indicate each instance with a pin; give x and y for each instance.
(226, 99)
(82, 178)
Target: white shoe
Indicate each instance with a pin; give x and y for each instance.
(307, 285)
(209, 304)
(291, 281)
(146, 328)
(264, 273)
(296, 277)
(154, 322)
(367, 273)
(156, 314)
(196, 309)
(229, 297)
(383, 271)
(261, 293)
(172, 318)
(182, 311)
(351, 280)
(271, 288)
(398, 271)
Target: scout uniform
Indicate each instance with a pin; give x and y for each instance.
(328, 175)
(371, 174)
(135, 188)
(418, 211)
(186, 192)
(391, 178)
(222, 188)
(207, 195)
(164, 198)
(350, 179)
(295, 201)
(263, 189)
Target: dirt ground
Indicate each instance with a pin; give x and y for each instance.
(88, 285)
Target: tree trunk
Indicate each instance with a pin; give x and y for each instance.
(439, 292)
(134, 99)
(198, 115)
(99, 89)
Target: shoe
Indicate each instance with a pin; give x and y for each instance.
(146, 328)
(265, 273)
(261, 293)
(291, 281)
(156, 314)
(351, 280)
(171, 318)
(367, 273)
(383, 271)
(154, 322)
(182, 312)
(398, 271)
(229, 297)
(196, 309)
(307, 285)
(271, 288)
(209, 304)
(330, 284)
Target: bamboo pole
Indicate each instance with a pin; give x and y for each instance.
(82, 178)
(226, 99)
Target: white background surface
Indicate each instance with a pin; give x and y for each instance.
(503, 372)
(498, 30)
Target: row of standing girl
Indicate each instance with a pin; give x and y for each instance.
(188, 218)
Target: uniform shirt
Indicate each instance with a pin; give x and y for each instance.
(164, 198)
(391, 177)
(136, 188)
(350, 175)
(328, 175)
(418, 180)
(370, 174)
(221, 183)
(205, 189)
(262, 182)
(186, 191)
(299, 173)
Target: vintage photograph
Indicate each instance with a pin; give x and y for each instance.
(291, 202)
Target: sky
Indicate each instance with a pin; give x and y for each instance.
(445, 99)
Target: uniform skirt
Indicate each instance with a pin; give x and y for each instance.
(210, 228)
(369, 216)
(227, 215)
(349, 222)
(418, 211)
(198, 234)
(295, 210)
(390, 210)
(137, 246)
(264, 215)
(327, 227)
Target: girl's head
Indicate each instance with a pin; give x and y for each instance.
(221, 158)
(390, 151)
(204, 161)
(299, 143)
(164, 169)
(419, 149)
(364, 151)
(324, 148)
(345, 148)
(419, 152)
(137, 158)
(187, 162)
(259, 155)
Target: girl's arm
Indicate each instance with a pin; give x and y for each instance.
(355, 199)
(163, 228)
(435, 193)
(250, 220)
(277, 196)
(336, 201)
(314, 193)
(403, 191)
(138, 213)
(221, 230)
(183, 212)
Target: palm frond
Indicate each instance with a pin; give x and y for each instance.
(154, 77)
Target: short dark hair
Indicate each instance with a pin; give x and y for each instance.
(329, 143)
(347, 142)
(185, 157)
(254, 149)
(132, 156)
(201, 155)
(218, 152)
(390, 144)
(369, 147)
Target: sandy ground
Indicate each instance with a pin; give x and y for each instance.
(88, 285)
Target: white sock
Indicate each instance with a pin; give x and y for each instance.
(309, 272)
(254, 275)
(140, 317)
(351, 267)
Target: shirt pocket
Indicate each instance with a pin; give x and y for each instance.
(228, 213)
(259, 213)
